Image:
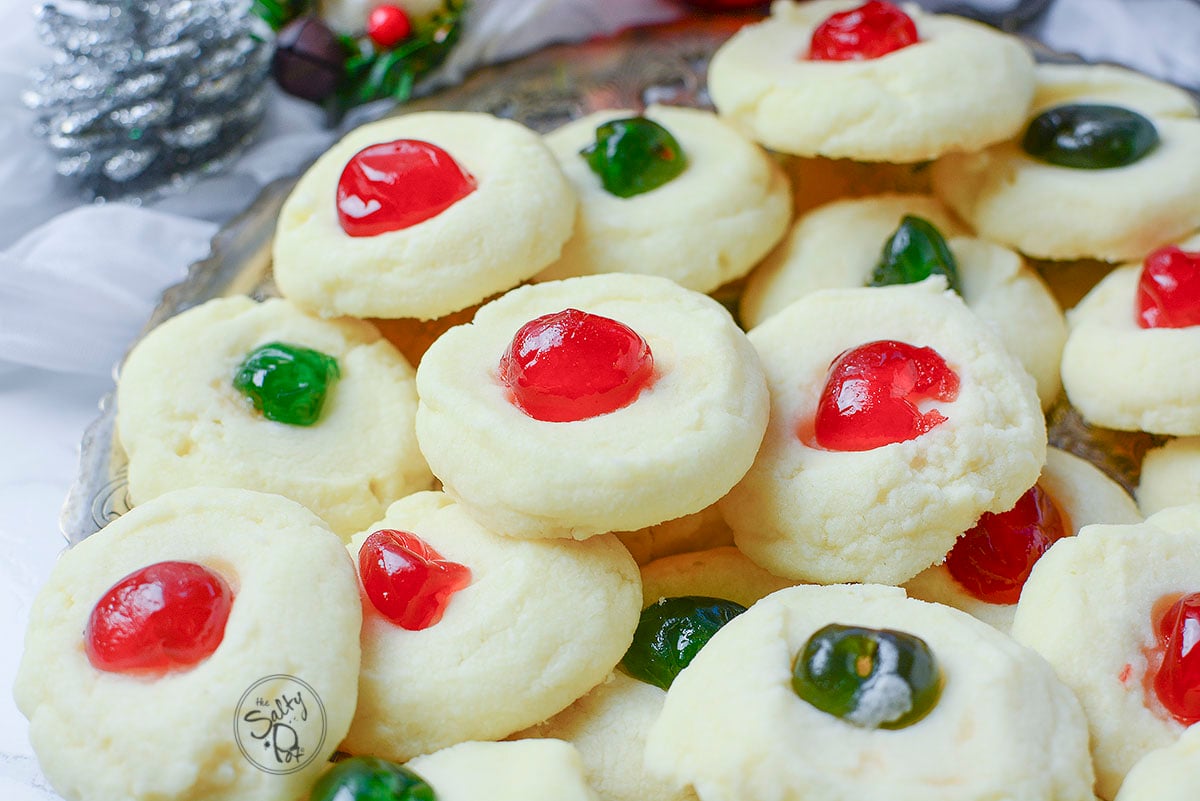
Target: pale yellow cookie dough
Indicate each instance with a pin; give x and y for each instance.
(838, 246)
(961, 87)
(104, 735)
(724, 573)
(483, 244)
(1088, 609)
(521, 770)
(608, 726)
(541, 623)
(673, 451)
(1062, 213)
(695, 532)
(1004, 726)
(182, 423)
(1083, 494)
(1120, 375)
(1170, 773)
(1170, 476)
(704, 228)
(885, 514)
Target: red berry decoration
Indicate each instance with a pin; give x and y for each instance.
(871, 393)
(1177, 680)
(166, 616)
(993, 559)
(388, 26)
(1168, 293)
(408, 582)
(394, 185)
(874, 29)
(572, 365)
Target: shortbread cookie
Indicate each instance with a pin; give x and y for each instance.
(687, 436)
(1091, 608)
(182, 422)
(840, 244)
(608, 726)
(1060, 212)
(537, 625)
(703, 228)
(477, 246)
(723, 573)
(1120, 375)
(289, 647)
(1003, 726)
(1082, 494)
(961, 87)
(1170, 773)
(521, 770)
(695, 532)
(1170, 476)
(884, 513)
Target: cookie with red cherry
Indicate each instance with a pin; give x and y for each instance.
(872, 81)
(421, 215)
(898, 238)
(472, 635)
(985, 570)
(594, 404)
(1115, 609)
(897, 419)
(675, 192)
(202, 646)
(1132, 342)
(1105, 166)
(264, 396)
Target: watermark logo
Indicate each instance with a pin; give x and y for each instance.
(279, 724)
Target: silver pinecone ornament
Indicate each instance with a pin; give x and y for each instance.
(143, 95)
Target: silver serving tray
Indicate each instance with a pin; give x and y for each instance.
(659, 64)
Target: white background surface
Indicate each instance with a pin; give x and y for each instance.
(75, 291)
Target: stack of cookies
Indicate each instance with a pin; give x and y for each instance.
(498, 498)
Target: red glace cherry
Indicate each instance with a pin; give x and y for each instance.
(1177, 678)
(573, 365)
(388, 26)
(993, 559)
(408, 582)
(1168, 293)
(394, 185)
(874, 29)
(871, 394)
(165, 616)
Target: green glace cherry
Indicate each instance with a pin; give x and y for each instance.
(671, 632)
(870, 678)
(1089, 136)
(914, 252)
(287, 383)
(370, 779)
(634, 155)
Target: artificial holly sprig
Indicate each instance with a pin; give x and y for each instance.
(373, 73)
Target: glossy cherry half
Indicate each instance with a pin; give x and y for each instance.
(874, 29)
(1168, 293)
(993, 559)
(388, 25)
(871, 394)
(572, 365)
(1177, 679)
(391, 186)
(165, 616)
(407, 581)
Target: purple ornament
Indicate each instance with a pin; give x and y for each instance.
(308, 59)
